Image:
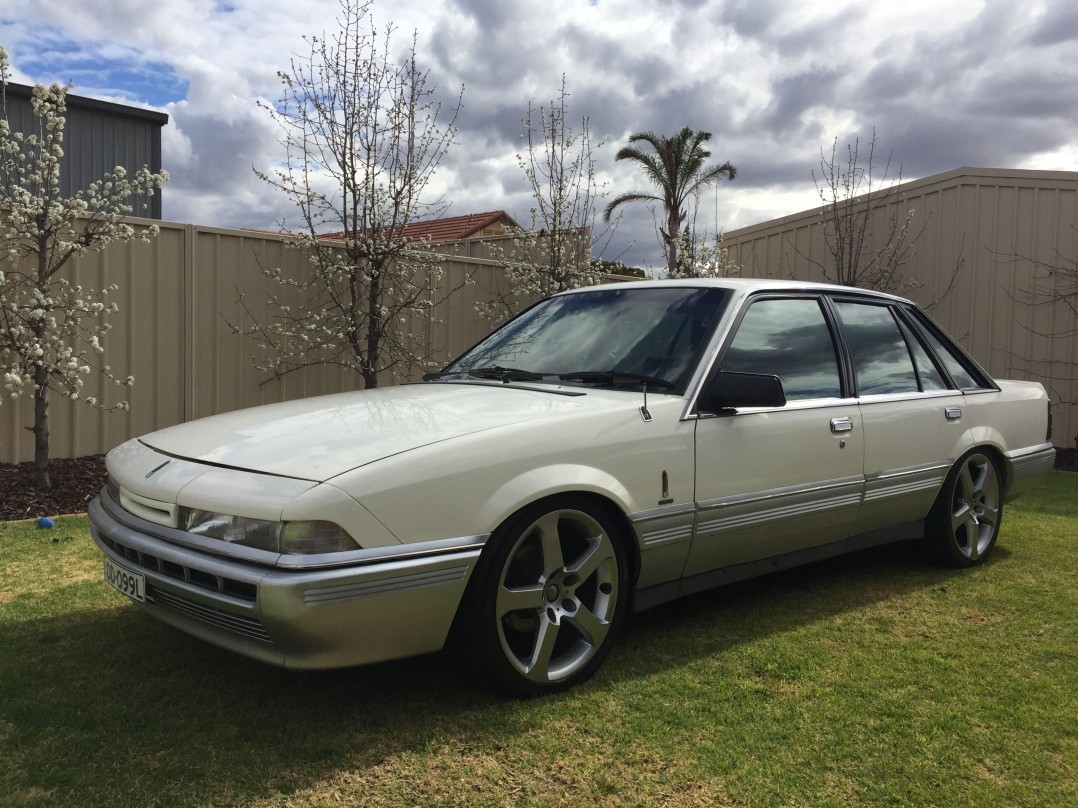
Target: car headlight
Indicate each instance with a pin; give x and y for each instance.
(302, 537)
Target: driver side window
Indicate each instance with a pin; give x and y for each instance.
(788, 338)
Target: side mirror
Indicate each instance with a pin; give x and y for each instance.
(731, 391)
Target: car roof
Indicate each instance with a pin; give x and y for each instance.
(742, 286)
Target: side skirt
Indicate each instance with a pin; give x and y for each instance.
(652, 596)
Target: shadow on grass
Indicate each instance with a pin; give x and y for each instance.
(103, 705)
(720, 619)
(108, 706)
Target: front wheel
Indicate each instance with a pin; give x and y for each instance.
(549, 597)
(965, 520)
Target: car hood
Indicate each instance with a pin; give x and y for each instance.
(319, 438)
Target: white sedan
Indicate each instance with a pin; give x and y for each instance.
(607, 450)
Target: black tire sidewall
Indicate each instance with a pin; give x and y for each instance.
(480, 621)
(940, 536)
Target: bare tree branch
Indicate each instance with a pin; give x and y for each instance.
(363, 137)
(869, 238)
(554, 254)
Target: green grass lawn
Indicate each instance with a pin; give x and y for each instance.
(873, 679)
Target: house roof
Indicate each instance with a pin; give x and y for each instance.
(453, 228)
(449, 228)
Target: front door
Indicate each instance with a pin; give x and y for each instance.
(770, 481)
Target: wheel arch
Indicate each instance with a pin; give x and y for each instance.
(601, 500)
(990, 442)
(535, 485)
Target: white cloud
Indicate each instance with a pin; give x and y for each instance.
(965, 83)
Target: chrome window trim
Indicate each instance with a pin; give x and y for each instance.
(915, 395)
(791, 406)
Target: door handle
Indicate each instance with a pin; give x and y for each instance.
(952, 413)
(844, 424)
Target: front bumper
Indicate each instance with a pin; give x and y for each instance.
(399, 602)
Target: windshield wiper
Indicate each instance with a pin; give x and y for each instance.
(505, 375)
(614, 377)
(496, 372)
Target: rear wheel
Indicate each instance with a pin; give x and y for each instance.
(550, 596)
(965, 520)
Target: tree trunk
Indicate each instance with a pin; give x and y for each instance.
(374, 330)
(41, 375)
(41, 429)
(673, 231)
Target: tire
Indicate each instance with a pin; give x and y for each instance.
(964, 523)
(550, 594)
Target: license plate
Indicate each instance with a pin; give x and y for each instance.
(125, 581)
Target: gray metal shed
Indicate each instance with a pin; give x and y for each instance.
(100, 135)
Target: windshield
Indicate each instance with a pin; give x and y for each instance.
(607, 336)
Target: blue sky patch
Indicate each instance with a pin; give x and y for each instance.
(94, 74)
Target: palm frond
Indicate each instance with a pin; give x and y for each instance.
(631, 196)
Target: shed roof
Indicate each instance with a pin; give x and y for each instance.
(80, 101)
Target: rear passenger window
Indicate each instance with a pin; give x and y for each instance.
(788, 338)
(881, 360)
(926, 369)
(962, 379)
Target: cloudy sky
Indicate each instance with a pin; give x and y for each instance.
(945, 84)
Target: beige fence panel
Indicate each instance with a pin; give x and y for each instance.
(978, 218)
(146, 340)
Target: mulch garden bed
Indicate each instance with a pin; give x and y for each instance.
(75, 481)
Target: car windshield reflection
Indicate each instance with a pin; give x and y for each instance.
(604, 337)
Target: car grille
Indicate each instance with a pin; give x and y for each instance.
(247, 626)
(241, 590)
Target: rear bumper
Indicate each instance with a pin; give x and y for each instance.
(399, 605)
(1027, 466)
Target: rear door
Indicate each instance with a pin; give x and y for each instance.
(914, 425)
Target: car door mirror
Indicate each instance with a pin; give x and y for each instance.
(730, 391)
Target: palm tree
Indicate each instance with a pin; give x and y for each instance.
(677, 170)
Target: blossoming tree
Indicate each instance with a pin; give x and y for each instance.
(703, 255)
(51, 327)
(363, 137)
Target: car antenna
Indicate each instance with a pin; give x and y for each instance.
(645, 413)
